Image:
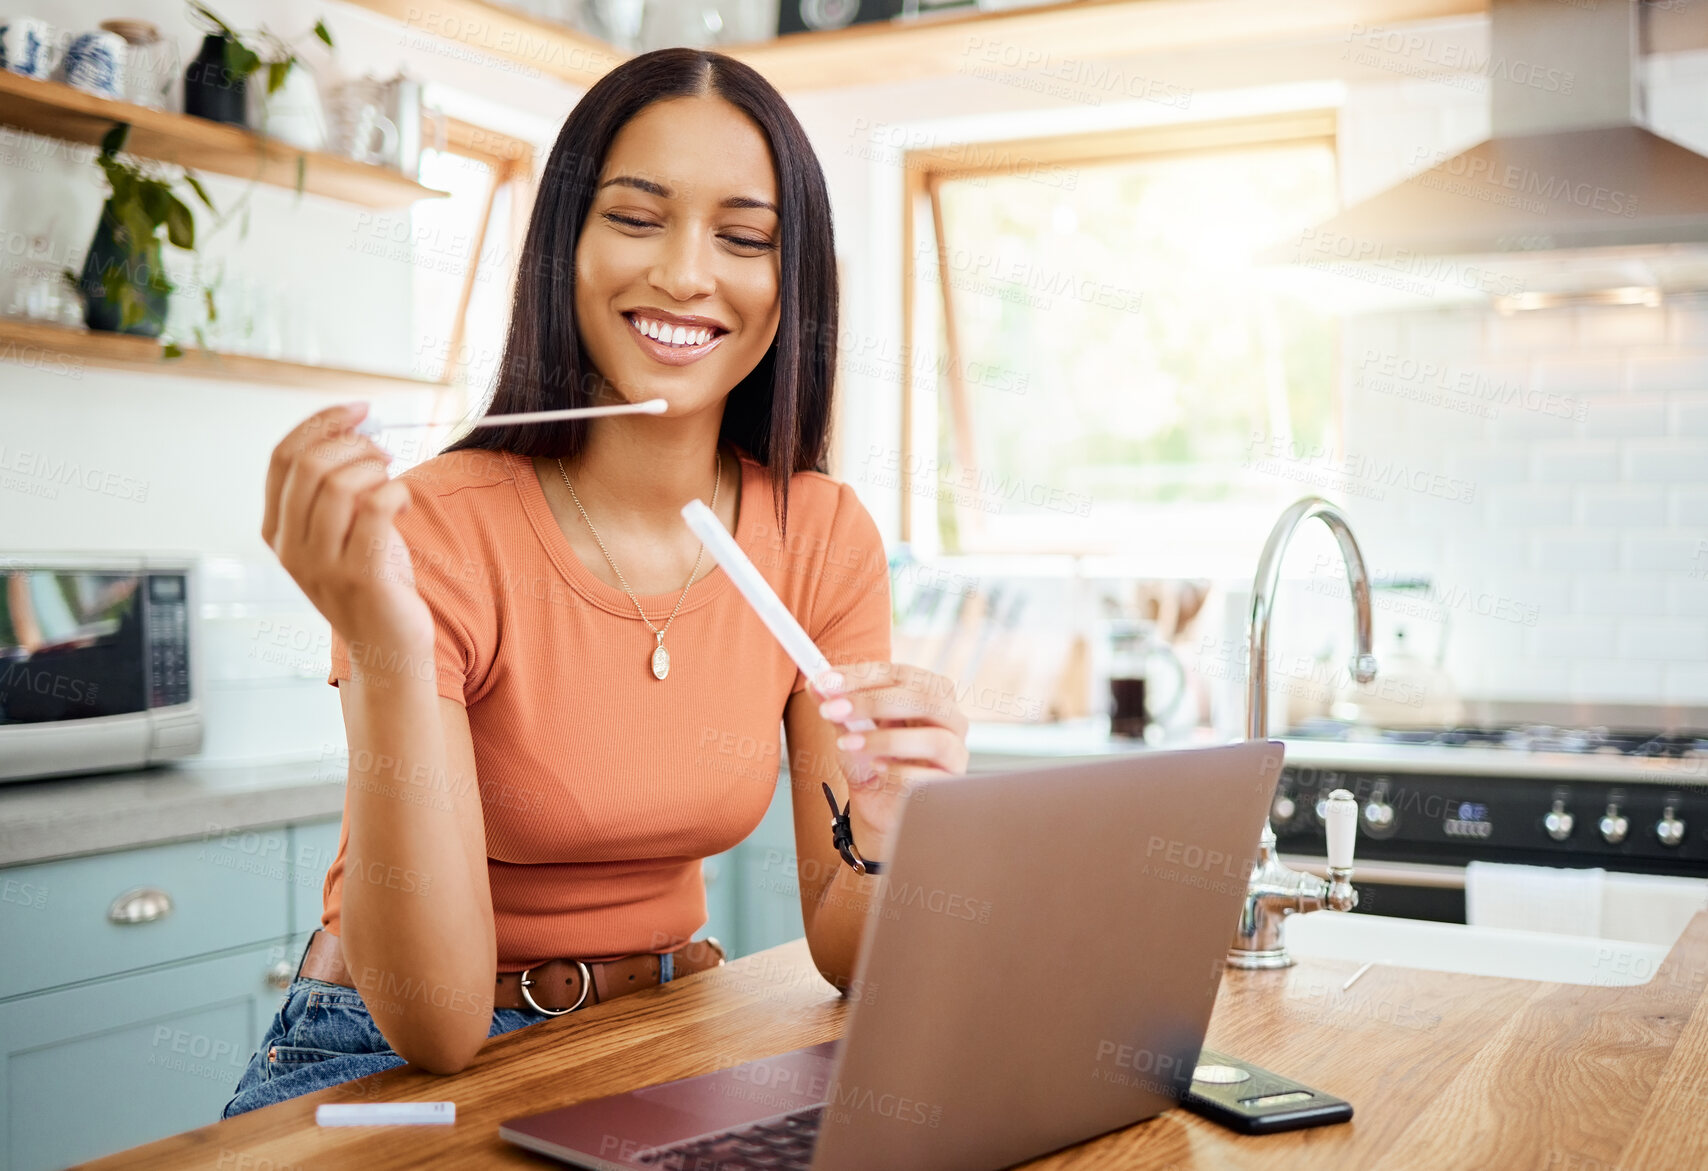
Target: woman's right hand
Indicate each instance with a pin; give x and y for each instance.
(329, 513)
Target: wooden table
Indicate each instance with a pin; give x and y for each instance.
(1445, 1071)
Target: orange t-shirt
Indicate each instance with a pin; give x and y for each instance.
(604, 787)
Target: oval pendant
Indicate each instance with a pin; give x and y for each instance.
(660, 662)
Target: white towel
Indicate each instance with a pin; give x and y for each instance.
(1534, 898)
(1650, 908)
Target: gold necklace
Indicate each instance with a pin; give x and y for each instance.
(660, 656)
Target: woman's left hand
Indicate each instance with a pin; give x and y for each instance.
(898, 723)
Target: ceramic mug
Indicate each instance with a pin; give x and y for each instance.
(151, 62)
(26, 46)
(292, 114)
(95, 63)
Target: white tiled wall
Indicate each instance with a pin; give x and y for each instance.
(1577, 569)
(1587, 513)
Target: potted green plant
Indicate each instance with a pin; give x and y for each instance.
(214, 88)
(123, 282)
(217, 81)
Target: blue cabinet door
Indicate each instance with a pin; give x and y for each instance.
(225, 890)
(767, 895)
(313, 846)
(89, 1070)
(719, 872)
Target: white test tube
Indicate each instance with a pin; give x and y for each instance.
(386, 1114)
(760, 596)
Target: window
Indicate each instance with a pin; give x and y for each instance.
(465, 250)
(1096, 352)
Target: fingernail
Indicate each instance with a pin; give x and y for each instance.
(830, 682)
(835, 709)
(851, 742)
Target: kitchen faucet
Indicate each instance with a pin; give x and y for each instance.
(1275, 891)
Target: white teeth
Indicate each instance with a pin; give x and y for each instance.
(681, 335)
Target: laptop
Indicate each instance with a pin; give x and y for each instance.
(1042, 972)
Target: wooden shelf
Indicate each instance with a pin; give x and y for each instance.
(59, 111)
(1057, 36)
(1051, 43)
(62, 350)
(553, 49)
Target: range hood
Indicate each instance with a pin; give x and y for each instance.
(1567, 167)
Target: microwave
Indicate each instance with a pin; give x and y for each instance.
(99, 669)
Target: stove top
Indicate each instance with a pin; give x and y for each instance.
(1515, 737)
(1533, 794)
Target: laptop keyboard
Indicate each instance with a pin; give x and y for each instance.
(784, 1144)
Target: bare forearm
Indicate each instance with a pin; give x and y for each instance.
(838, 923)
(417, 924)
(847, 901)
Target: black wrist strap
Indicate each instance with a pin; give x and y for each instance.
(842, 836)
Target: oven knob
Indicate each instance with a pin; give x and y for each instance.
(1613, 826)
(1558, 822)
(1281, 813)
(1669, 829)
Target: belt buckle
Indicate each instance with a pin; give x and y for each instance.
(586, 983)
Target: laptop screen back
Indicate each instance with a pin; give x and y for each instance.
(1046, 956)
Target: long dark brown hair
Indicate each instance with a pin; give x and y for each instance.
(780, 412)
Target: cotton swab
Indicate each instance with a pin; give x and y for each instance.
(371, 425)
(760, 596)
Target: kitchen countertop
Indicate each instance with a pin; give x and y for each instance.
(1443, 1070)
(67, 816)
(1045, 743)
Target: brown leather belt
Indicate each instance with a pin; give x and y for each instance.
(554, 987)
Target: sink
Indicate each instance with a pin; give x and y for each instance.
(1472, 951)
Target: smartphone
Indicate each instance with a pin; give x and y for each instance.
(1252, 1100)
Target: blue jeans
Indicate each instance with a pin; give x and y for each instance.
(322, 1035)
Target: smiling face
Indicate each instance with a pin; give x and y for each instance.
(677, 268)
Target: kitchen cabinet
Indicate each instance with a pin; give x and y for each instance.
(97, 1067)
(718, 872)
(752, 900)
(115, 1033)
(312, 849)
(185, 899)
(766, 887)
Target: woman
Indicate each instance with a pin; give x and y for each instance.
(556, 706)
